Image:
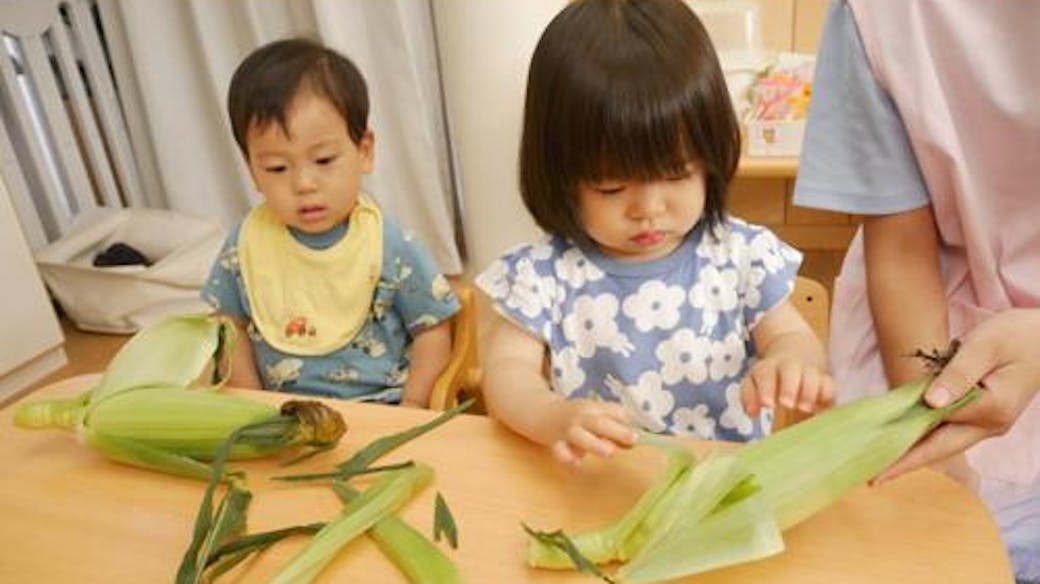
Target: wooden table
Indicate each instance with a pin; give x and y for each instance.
(68, 515)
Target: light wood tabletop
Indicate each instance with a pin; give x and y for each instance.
(68, 515)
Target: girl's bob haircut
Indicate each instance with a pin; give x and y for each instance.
(623, 90)
(266, 82)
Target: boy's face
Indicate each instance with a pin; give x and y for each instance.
(642, 221)
(311, 177)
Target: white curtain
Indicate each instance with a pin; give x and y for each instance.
(180, 54)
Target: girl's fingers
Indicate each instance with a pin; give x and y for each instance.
(789, 380)
(565, 452)
(760, 388)
(825, 398)
(810, 390)
(581, 439)
(617, 432)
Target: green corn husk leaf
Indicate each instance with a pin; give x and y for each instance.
(619, 540)
(806, 467)
(715, 510)
(230, 554)
(740, 531)
(444, 523)
(390, 492)
(413, 554)
(215, 528)
(172, 352)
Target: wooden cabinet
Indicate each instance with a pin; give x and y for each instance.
(823, 236)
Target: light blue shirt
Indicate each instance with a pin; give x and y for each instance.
(856, 156)
(669, 339)
(411, 296)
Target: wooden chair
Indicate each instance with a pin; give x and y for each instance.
(461, 378)
(813, 302)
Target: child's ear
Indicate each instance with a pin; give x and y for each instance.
(367, 151)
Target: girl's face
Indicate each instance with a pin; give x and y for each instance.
(310, 177)
(642, 221)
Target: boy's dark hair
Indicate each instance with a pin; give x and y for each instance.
(266, 82)
(623, 89)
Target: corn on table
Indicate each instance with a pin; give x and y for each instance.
(69, 515)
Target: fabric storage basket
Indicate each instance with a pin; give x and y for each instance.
(122, 299)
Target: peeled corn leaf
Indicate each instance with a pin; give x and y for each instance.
(172, 352)
(417, 558)
(391, 491)
(444, 523)
(702, 527)
(230, 554)
(619, 540)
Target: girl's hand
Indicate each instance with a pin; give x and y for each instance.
(581, 427)
(786, 381)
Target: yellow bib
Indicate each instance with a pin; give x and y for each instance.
(310, 301)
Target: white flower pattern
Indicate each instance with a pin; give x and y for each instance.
(726, 357)
(647, 401)
(654, 305)
(593, 324)
(684, 356)
(566, 375)
(695, 422)
(714, 293)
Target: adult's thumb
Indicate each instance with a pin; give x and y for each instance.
(959, 375)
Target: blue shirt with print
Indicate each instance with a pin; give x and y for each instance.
(669, 339)
(410, 297)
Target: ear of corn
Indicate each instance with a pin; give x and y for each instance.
(146, 412)
(731, 508)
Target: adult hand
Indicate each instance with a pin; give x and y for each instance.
(1003, 355)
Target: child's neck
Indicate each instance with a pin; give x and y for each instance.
(322, 240)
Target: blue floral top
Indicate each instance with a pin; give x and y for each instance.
(669, 339)
(411, 296)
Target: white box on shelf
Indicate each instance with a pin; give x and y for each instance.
(775, 137)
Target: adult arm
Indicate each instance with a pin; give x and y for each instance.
(905, 289)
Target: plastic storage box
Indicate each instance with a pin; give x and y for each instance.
(122, 299)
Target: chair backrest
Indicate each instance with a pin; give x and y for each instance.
(461, 377)
(64, 145)
(812, 301)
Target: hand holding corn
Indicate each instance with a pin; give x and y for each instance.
(1000, 354)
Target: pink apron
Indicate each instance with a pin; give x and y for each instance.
(965, 76)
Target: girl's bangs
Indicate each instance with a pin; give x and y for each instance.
(633, 137)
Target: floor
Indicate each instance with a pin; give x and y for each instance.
(86, 352)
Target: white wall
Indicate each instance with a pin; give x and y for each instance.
(30, 337)
(485, 50)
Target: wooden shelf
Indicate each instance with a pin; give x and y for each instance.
(768, 167)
